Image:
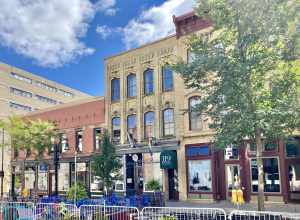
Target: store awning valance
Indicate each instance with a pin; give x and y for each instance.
(168, 159)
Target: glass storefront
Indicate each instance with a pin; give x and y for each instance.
(271, 175)
(43, 177)
(294, 178)
(64, 177)
(152, 171)
(199, 176)
(232, 173)
(29, 178)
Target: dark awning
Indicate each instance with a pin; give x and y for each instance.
(168, 159)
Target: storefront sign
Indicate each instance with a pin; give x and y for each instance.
(168, 159)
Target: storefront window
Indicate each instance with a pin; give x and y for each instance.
(199, 176)
(96, 184)
(43, 177)
(29, 178)
(271, 175)
(294, 178)
(64, 176)
(232, 176)
(152, 169)
(119, 185)
(292, 147)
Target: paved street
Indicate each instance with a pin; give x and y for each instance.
(277, 207)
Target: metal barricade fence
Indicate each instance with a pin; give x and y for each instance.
(102, 212)
(17, 210)
(181, 213)
(56, 211)
(266, 215)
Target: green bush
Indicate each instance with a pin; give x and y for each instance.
(80, 192)
(153, 185)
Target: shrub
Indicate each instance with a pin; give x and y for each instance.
(153, 185)
(80, 192)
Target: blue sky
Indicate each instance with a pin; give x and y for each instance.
(67, 40)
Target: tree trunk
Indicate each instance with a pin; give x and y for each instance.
(259, 162)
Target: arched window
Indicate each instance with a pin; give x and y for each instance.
(116, 129)
(131, 85)
(194, 115)
(168, 122)
(148, 82)
(131, 128)
(115, 89)
(167, 79)
(149, 125)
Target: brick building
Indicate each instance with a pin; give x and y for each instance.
(80, 127)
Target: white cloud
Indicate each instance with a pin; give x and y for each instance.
(154, 23)
(107, 7)
(49, 32)
(104, 31)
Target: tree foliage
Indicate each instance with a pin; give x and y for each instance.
(107, 164)
(247, 69)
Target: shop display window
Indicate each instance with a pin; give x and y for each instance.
(199, 176)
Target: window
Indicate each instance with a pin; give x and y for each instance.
(131, 128)
(64, 143)
(64, 177)
(149, 124)
(46, 99)
(148, 82)
(167, 79)
(199, 178)
(232, 172)
(292, 147)
(270, 145)
(115, 90)
(20, 107)
(46, 86)
(231, 153)
(116, 129)
(20, 77)
(195, 121)
(97, 138)
(271, 175)
(43, 177)
(131, 85)
(168, 122)
(20, 92)
(151, 170)
(65, 93)
(194, 151)
(191, 56)
(294, 177)
(79, 141)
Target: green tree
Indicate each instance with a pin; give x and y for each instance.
(248, 70)
(79, 190)
(31, 137)
(107, 164)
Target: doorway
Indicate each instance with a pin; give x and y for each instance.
(231, 171)
(173, 184)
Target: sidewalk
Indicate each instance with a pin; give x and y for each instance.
(228, 206)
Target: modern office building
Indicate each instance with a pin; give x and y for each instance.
(81, 125)
(22, 92)
(150, 115)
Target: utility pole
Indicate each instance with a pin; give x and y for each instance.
(56, 164)
(75, 179)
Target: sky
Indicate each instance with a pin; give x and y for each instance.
(67, 40)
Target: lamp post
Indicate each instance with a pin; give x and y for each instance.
(56, 164)
(75, 177)
(2, 160)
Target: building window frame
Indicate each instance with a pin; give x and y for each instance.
(147, 124)
(97, 138)
(116, 139)
(148, 78)
(193, 118)
(79, 140)
(115, 89)
(132, 131)
(167, 78)
(131, 86)
(168, 123)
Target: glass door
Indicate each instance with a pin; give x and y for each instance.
(232, 178)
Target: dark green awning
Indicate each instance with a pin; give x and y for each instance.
(168, 159)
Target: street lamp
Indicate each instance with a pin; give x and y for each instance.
(2, 160)
(56, 149)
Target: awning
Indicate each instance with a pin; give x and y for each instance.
(168, 159)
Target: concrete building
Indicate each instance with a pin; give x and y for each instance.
(22, 92)
(150, 115)
(81, 125)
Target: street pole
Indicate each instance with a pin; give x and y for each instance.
(2, 159)
(56, 161)
(75, 179)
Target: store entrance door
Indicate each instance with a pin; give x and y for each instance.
(173, 184)
(294, 182)
(231, 171)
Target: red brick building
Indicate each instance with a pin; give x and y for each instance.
(80, 127)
